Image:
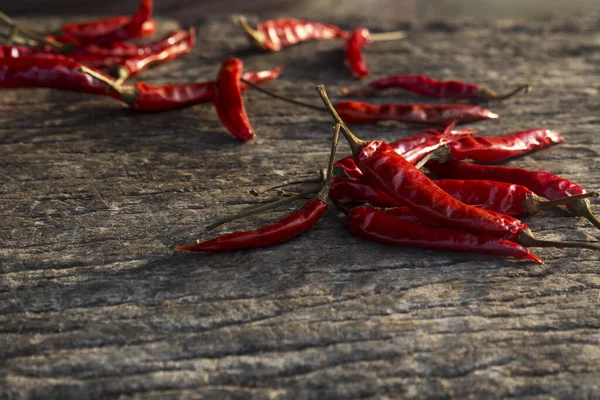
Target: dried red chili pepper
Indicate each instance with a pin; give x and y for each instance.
(382, 227)
(426, 86)
(403, 182)
(359, 38)
(134, 65)
(88, 31)
(275, 34)
(364, 113)
(229, 102)
(544, 184)
(494, 149)
(52, 72)
(146, 98)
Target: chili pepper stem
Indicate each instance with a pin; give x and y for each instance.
(128, 94)
(122, 75)
(256, 192)
(385, 36)
(441, 154)
(581, 208)
(256, 37)
(329, 173)
(280, 97)
(486, 94)
(34, 34)
(534, 204)
(526, 239)
(354, 142)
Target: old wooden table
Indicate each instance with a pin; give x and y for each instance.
(95, 302)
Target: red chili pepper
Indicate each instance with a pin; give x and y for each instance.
(89, 30)
(426, 86)
(131, 30)
(229, 102)
(134, 65)
(279, 232)
(379, 226)
(51, 72)
(498, 148)
(147, 98)
(275, 34)
(364, 113)
(412, 148)
(356, 42)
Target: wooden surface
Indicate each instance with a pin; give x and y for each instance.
(95, 302)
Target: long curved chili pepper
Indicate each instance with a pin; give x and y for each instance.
(495, 149)
(426, 86)
(402, 181)
(147, 98)
(51, 72)
(289, 227)
(134, 65)
(275, 34)
(131, 30)
(88, 31)
(355, 112)
(359, 38)
(544, 184)
(229, 102)
(382, 227)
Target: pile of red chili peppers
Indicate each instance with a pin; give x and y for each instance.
(450, 205)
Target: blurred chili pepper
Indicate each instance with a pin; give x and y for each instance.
(426, 86)
(88, 31)
(359, 38)
(364, 113)
(275, 34)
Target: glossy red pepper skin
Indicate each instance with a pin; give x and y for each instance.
(89, 30)
(412, 148)
(51, 72)
(284, 32)
(135, 65)
(382, 227)
(544, 184)
(131, 30)
(279, 232)
(403, 182)
(501, 148)
(147, 98)
(359, 38)
(355, 112)
(361, 190)
(229, 102)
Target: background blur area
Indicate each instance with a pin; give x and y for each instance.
(191, 10)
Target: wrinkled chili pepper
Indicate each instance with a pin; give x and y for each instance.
(426, 86)
(497, 148)
(131, 30)
(402, 181)
(134, 65)
(147, 98)
(51, 72)
(359, 38)
(275, 34)
(88, 31)
(544, 184)
(364, 113)
(382, 227)
(229, 102)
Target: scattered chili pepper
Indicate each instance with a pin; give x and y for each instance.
(229, 102)
(275, 34)
(359, 38)
(426, 86)
(544, 184)
(497, 148)
(131, 30)
(403, 182)
(134, 65)
(364, 113)
(88, 31)
(147, 98)
(289, 227)
(360, 190)
(52, 72)
(382, 227)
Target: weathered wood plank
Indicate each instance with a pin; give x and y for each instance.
(94, 302)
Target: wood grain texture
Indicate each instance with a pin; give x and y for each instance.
(95, 302)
